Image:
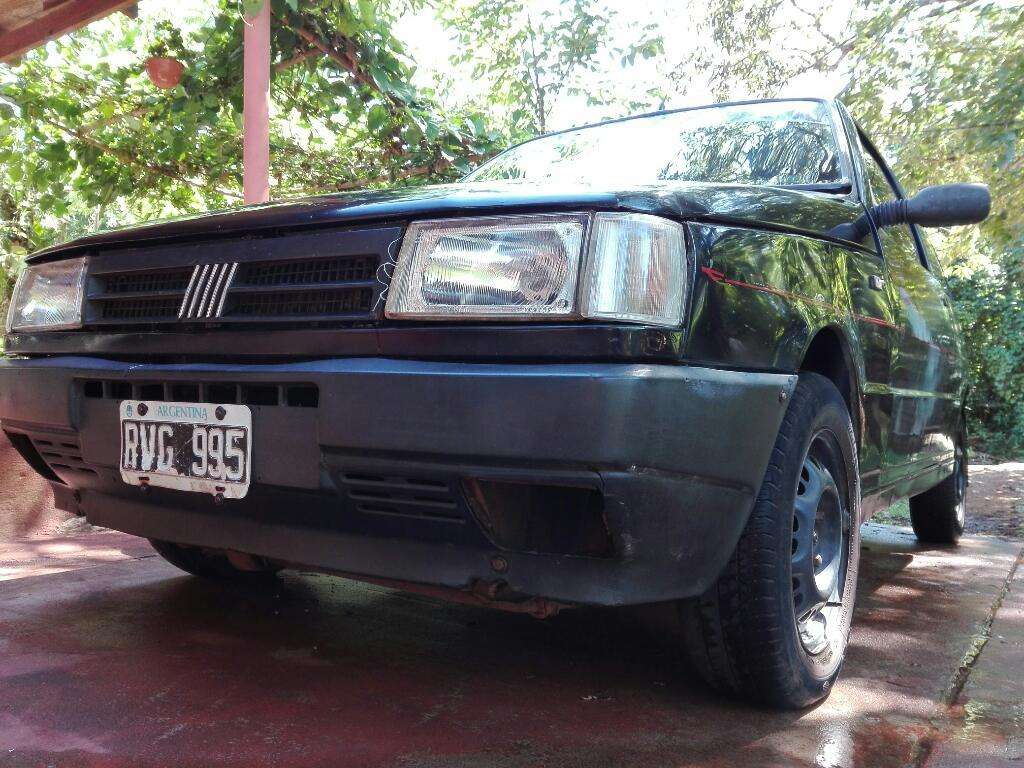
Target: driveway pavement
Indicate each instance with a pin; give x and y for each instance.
(109, 657)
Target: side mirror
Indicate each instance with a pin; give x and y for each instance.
(944, 205)
(949, 205)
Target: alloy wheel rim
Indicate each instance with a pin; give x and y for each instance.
(819, 557)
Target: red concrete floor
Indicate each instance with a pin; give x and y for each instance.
(110, 657)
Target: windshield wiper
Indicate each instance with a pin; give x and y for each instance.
(835, 187)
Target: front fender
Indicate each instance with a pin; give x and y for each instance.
(760, 297)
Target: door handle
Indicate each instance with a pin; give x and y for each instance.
(876, 282)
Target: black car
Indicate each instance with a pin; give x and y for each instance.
(676, 358)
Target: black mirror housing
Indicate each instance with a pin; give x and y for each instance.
(942, 205)
(949, 205)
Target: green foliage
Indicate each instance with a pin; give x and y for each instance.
(990, 306)
(167, 42)
(530, 54)
(897, 514)
(88, 142)
(960, 120)
(959, 70)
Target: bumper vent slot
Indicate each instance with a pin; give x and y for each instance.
(402, 496)
(228, 393)
(61, 453)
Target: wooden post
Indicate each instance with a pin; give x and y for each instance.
(256, 107)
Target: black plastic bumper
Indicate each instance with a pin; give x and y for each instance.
(676, 452)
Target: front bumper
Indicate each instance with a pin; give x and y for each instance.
(676, 453)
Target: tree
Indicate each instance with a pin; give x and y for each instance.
(530, 54)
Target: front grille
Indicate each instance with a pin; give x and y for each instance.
(329, 277)
(338, 288)
(322, 303)
(308, 272)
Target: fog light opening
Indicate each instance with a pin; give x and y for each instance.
(544, 519)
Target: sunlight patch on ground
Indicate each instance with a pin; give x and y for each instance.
(25, 558)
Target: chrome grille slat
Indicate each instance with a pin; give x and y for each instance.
(200, 282)
(188, 292)
(207, 285)
(216, 278)
(224, 294)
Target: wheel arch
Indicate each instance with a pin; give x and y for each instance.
(829, 353)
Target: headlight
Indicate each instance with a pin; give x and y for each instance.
(634, 269)
(48, 297)
(508, 267)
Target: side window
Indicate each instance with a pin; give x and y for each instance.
(904, 243)
(933, 264)
(877, 183)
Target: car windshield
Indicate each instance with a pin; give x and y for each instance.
(780, 143)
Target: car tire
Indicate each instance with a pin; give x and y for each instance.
(214, 564)
(939, 515)
(763, 631)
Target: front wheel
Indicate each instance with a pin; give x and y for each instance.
(774, 627)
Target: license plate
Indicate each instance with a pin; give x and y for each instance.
(200, 447)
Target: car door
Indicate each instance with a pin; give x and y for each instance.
(924, 378)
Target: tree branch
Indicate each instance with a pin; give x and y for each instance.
(112, 120)
(441, 164)
(297, 59)
(347, 59)
(130, 159)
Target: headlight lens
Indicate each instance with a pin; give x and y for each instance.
(529, 267)
(508, 267)
(48, 297)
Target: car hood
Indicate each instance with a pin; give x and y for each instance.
(775, 207)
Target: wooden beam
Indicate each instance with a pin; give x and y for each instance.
(64, 18)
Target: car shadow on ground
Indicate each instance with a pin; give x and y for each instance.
(323, 670)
